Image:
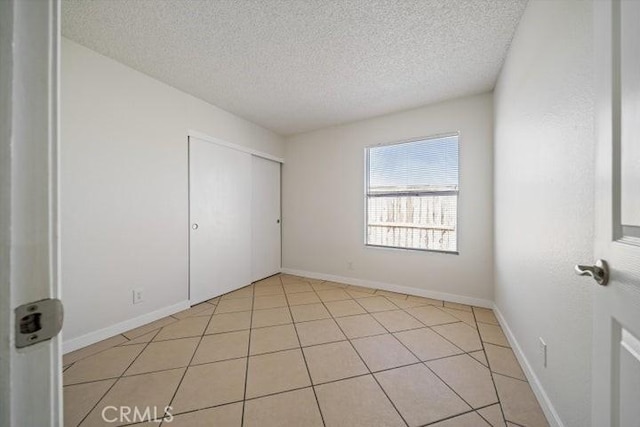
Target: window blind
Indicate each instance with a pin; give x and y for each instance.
(412, 194)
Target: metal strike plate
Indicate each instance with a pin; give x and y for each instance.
(38, 321)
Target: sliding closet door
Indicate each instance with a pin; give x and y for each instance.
(220, 189)
(265, 210)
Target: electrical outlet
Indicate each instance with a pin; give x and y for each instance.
(350, 265)
(138, 296)
(542, 348)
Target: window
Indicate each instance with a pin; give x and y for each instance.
(412, 194)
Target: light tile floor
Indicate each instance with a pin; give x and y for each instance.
(292, 351)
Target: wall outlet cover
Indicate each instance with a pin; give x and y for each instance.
(138, 296)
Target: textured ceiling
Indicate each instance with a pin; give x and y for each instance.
(297, 65)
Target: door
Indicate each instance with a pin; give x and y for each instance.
(30, 377)
(220, 219)
(616, 336)
(265, 210)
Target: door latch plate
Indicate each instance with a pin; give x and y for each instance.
(38, 321)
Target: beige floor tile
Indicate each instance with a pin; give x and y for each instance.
(361, 289)
(188, 327)
(276, 372)
(273, 338)
(325, 286)
(214, 301)
(207, 312)
(246, 292)
(145, 329)
(362, 325)
(397, 320)
(485, 315)
(344, 308)
(419, 395)
(223, 416)
(81, 398)
(467, 377)
(503, 361)
(356, 402)
(229, 322)
(319, 332)
(210, 385)
(407, 303)
(493, 415)
(461, 334)
(431, 316)
(276, 278)
(375, 304)
(465, 316)
(383, 352)
(492, 334)
(152, 390)
(303, 313)
(109, 363)
(334, 361)
(193, 311)
(480, 357)
(92, 349)
(358, 294)
(426, 344)
(392, 295)
(230, 345)
(518, 402)
(288, 278)
(269, 301)
(426, 301)
(293, 408)
(271, 317)
(143, 339)
(295, 288)
(164, 355)
(458, 306)
(336, 284)
(303, 298)
(234, 305)
(262, 291)
(470, 419)
(333, 295)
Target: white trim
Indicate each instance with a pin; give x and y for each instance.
(543, 398)
(205, 137)
(118, 328)
(462, 299)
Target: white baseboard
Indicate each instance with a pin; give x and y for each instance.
(549, 411)
(118, 328)
(478, 302)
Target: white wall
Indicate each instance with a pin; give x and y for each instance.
(544, 203)
(124, 187)
(323, 201)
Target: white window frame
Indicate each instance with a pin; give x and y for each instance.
(366, 194)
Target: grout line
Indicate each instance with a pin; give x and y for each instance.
(184, 374)
(293, 323)
(246, 370)
(116, 381)
(365, 363)
(425, 364)
(484, 351)
(459, 415)
(304, 357)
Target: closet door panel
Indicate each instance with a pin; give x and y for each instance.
(220, 189)
(266, 237)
